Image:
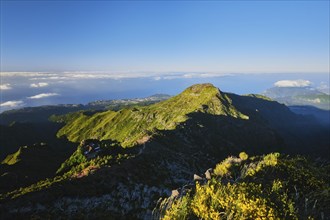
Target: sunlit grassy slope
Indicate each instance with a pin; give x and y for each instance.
(129, 126)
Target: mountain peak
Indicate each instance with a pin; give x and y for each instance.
(127, 126)
(200, 88)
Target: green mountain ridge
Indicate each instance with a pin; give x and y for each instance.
(131, 126)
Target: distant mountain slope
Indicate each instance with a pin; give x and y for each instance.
(304, 101)
(118, 104)
(278, 92)
(299, 96)
(36, 114)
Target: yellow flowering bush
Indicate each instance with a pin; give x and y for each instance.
(261, 187)
(179, 209)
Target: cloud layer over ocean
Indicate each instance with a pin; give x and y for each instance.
(22, 89)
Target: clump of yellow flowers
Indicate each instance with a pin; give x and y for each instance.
(259, 187)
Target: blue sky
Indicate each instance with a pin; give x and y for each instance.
(56, 52)
(224, 36)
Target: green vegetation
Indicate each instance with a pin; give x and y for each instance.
(76, 159)
(110, 153)
(12, 158)
(132, 126)
(273, 186)
(41, 114)
(41, 185)
(77, 166)
(83, 169)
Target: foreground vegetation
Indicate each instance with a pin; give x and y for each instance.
(273, 186)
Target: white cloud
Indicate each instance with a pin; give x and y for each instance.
(107, 75)
(42, 95)
(292, 83)
(37, 85)
(26, 74)
(5, 86)
(86, 75)
(11, 104)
